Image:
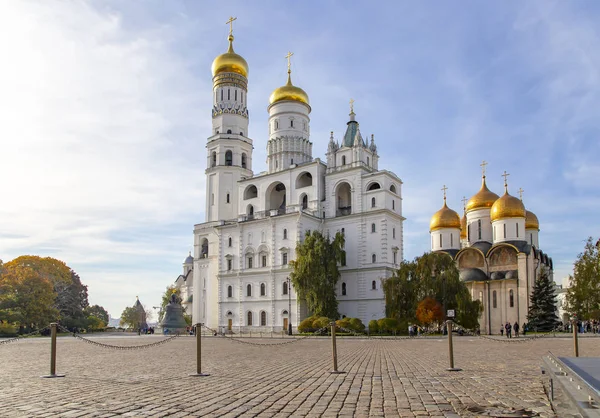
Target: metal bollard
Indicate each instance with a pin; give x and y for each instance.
(199, 352)
(53, 326)
(575, 341)
(451, 348)
(334, 348)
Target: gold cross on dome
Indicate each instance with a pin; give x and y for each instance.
(288, 56)
(505, 175)
(521, 193)
(483, 164)
(230, 23)
(465, 200)
(351, 105)
(444, 190)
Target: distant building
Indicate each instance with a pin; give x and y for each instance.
(496, 247)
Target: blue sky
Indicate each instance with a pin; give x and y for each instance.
(106, 110)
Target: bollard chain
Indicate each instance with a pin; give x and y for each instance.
(21, 337)
(118, 347)
(291, 341)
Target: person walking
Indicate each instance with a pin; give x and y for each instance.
(502, 331)
(508, 329)
(516, 328)
(524, 328)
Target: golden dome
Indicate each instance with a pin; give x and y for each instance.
(484, 198)
(463, 226)
(507, 207)
(288, 92)
(531, 221)
(230, 62)
(444, 218)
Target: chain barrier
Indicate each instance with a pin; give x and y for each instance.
(22, 337)
(290, 341)
(501, 339)
(117, 347)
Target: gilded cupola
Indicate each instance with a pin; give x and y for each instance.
(444, 218)
(531, 221)
(507, 206)
(484, 198)
(230, 62)
(289, 91)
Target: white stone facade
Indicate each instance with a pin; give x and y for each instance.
(242, 252)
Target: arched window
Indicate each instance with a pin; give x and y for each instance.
(373, 285)
(373, 202)
(263, 289)
(263, 319)
(292, 123)
(235, 95)
(531, 238)
(393, 188)
(511, 298)
(478, 228)
(285, 234)
(229, 241)
(227, 197)
(305, 202)
(374, 258)
(494, 299)
(374, 186)
(250, 210)
(343, 288)
(368, 161)
(373, 227)
(441, 241)
(343, 160)
(504, 228)
(228, 131)
(451, 239)
(204, 250)
(241, 133)
(213, 161)
(276, 124)
(469, 232)
(393, 205)
(285, 288)
(249, 320)
(229, 291)
(229, 157)
(228, 94)
(249, 290)
(393, 233)
(243, 158)
(343, 232)
(517, 230)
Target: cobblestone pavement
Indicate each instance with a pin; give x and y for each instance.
(404, 378)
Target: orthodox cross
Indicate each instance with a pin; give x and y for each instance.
(464, 200)
(444, 190)
(351, 105)
(230, 23)
(505, 175)
(521, 193)
(483, 164)
(288, 56)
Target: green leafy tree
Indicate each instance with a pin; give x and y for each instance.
(98, 312)
(583, 297)
(316, 272)
(432, 275)
(542, 311)
(130, 317)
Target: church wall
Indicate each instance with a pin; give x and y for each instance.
(532, 237)
(473, 218)
(510, 229)
(450, 239)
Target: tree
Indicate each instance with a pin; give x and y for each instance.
(26, 298)
(130, 317)
(583, 297)
(432, 275)
(429, 311)
(316, 272)
(98, 312)
(542, 311)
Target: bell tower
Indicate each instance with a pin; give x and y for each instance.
(229, 149)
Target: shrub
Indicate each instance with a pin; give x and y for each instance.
(7, 330)
(343, 323)
(307, 324)
(373, 326)
(356, 324)
(321, 323)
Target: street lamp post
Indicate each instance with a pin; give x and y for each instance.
(289, 306)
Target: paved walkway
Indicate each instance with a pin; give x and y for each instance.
(404, 378)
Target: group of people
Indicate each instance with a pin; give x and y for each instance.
(508, 328)
(149, 330)
(591, 326)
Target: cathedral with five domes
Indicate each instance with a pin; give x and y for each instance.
(237, 278)
(496, 248)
